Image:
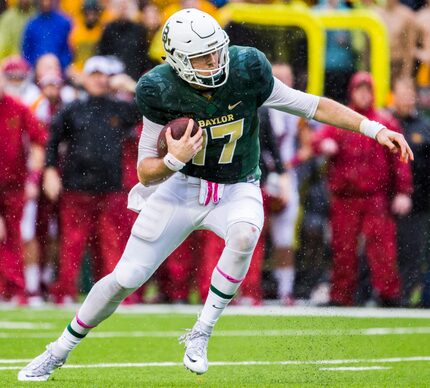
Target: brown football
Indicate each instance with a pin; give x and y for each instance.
(178, 127)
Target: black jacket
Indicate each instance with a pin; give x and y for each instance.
(417, 133)
(92, 132)
(127, 41)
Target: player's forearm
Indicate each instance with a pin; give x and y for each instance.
(37, 157)
(151, 171)
(338, 115)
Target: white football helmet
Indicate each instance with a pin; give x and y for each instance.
(189, 34)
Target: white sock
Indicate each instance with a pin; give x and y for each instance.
(285, 278)
(212, 310)
(229, 273)
(32, 278)
(101, 302)
(71, 337)
(48, 274)
(222, 289)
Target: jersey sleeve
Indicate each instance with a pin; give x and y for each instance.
(148, 140)
(262, 77)
(293, 101)
(148, 98)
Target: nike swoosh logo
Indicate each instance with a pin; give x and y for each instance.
(191, 358)
(219, 308)
(231, 107)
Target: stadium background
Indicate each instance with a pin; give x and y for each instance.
(287, 32)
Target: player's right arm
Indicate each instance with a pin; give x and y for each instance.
(152, 169)
(51, 178)
(335, 114)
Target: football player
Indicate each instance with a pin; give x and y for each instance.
(206, 181)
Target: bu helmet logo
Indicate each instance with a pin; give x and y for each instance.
(165, 38)
(189, 34)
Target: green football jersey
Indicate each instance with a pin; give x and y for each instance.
(231, 148)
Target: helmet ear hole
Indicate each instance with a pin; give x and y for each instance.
(191, 33)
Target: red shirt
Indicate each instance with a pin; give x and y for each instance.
(362, 166)
(18, 129)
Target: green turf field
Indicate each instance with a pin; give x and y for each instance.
(140, 349)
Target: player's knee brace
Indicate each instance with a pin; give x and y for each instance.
(109, 289)
(130, 274)
(242, 237)
(234, 262)
(103, 300)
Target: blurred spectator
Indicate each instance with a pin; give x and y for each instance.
(202, 5)
(364, 206)
(415, 5)
(12, 23)
(44, 107)
(402, 35)
(219, 3)
(151, 19)
(50, 64)
(422, 54)
(18, 80)
(49, 99)
(23, 140)
(126, 39)
(283, 192)
(122, 87)
(47, 64)
(86, 32)
(3, 6)
(93, 131)
(48, 70)
(339, 57)
(47, 32)
(313, 256)
(18, 84)
(413, 228)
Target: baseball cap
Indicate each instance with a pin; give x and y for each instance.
(16, 66)
(97, 64)
(116, 65)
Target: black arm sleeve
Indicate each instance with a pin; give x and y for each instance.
(131, 117)
(57, 133)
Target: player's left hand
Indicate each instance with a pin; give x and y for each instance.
(284, 186)
(31, 191)
(402, 204)
(396, 143)
(3, 233)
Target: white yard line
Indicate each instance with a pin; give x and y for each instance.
(353, 312)
(237, 333)
(12, 361)
(242, 363)
(356, 368)
(24, 325)
(269, 310)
